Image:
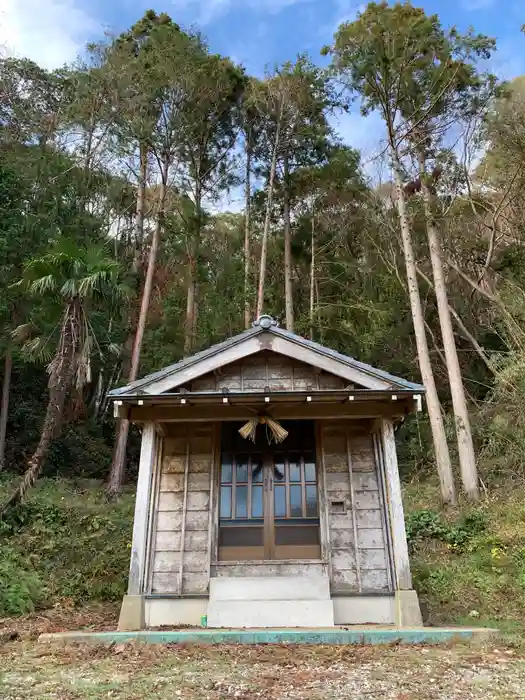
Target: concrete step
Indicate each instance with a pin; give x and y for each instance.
(270, 613)
(267, 588)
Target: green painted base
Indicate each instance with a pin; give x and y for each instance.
(336, 636)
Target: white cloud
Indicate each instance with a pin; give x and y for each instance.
(211, 9)
(50, 32)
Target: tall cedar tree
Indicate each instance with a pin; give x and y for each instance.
(374, 57)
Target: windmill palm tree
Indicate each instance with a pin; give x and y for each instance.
(72, 280)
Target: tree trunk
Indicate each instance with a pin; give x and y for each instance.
(247, 224)
(119, 456)
(116, 473)
(60, 381)
(443, 464)
(463, 329)
(4, 408)
(264, 244)
(467, 459)
(312, 280)
(150, 274)
(141, 200)
(191, 296)
(288, 289)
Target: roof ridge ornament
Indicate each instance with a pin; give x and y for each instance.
(265, 321)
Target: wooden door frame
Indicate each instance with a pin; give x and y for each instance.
(268, 508)
(322, 504)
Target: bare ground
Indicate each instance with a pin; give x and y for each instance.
(128, 672)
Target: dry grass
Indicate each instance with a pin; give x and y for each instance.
(133, 672)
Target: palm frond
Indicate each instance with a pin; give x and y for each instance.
(115, 349)
(43, 285)
(70, 288)
(23, 332)
(38, 350)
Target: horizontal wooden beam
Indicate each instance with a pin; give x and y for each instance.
(306, 411)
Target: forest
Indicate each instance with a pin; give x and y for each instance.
(119, 254)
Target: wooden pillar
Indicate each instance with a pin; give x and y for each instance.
(324, 525)
(402, 576)
(137, 568)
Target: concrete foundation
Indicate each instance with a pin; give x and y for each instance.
(174, 612)
(408, 612)
(364, 610)
(285, 605)
(132, 614)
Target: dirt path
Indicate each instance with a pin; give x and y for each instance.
(126, 672)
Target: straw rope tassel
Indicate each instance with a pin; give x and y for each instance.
(275, 431)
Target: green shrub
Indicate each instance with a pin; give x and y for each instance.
(73, 539)
(428, 525)
(21, 589)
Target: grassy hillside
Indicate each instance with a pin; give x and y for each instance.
(69, 546)
(468, 563)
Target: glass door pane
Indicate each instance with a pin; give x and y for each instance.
(296, 518)
(241, 507)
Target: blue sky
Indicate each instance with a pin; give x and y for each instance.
(256, 33)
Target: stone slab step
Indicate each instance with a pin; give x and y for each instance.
(270, 613)
(257, 588)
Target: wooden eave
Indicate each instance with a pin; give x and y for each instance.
(235, 405)
(243, 397)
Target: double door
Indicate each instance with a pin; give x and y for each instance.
(268, 505)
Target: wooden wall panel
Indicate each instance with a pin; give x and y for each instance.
(268, 370)
(356, 515)
(355, 512)
(187, 456)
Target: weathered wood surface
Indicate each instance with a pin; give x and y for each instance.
(268, 371)
(357, 537)
(292, 411)
(196, 583)
(183, 515)
(233, 353)
(193, 562)
(175, 482)
(194, 541)
(370, 538)
(324, 526)
(395, 506)
(309, 356)
(139, 553)
(172, 521)
(171, 501)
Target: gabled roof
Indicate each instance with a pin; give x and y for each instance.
(266, 335)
